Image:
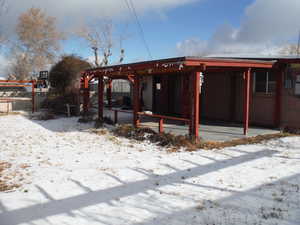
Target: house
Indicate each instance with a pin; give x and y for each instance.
(251, 91)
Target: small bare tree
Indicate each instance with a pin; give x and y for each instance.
(100, 40)
(290, 49)
(38, 42)
(3, 10)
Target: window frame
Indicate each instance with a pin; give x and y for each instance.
(267, 84)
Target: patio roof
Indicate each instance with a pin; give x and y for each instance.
(180, 64)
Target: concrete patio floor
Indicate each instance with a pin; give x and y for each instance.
(208, 131)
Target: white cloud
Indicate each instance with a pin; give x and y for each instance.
(4, 63)
(267, 24)
(70, 12)
(269, 20)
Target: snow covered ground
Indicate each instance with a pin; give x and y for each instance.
(72, 176)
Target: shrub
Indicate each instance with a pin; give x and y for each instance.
(65, 76)
(162, 139)
(64, 79)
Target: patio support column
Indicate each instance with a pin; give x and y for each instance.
(33, 96)
(195, 104)
(278, 101)
(136, 100)
(109, 93)
(246, 99)
(100, 97)
(86, 95)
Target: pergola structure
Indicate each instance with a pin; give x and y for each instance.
(190, 67)
(20, 83)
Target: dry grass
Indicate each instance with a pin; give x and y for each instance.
(9, 113)
(4, 181)
(174, 143)
(207, 145)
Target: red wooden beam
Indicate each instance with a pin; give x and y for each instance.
(100, 98)
(178, 64)
(278, 100)
(163, 117)
(195, 111)
(229, 63)
(16, 81)
(15, 85)
(136, 100)
(246, 100)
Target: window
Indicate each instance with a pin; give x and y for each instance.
(265, 82)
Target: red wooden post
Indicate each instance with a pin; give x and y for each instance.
(195, 100)
(161, 125)
(86, 95)
(278, 101)
(136, 100)
(100, 97)
(109, 93)
(33, 96)
(246, 100)
(116, 116)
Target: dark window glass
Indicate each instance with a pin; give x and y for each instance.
(261, 79)
(265, 81)
(271, 82)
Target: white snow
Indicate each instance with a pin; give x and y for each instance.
(70, 175)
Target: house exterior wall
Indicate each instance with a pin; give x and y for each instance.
(290, 115)
(219, 102)
(147, 86)
(216, 97)
(290, 110)
(262, 109)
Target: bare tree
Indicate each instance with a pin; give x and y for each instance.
(290, 49)
(20, 67)
(100, 40)
(3, 10)
(38, 42)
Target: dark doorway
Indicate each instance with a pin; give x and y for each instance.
(167, 95)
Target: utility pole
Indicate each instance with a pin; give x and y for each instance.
(298, 47)
(95, 49)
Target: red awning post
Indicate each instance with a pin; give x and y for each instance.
(161, 125)
(33, 96)
(246, 99)
(195, 104)
(86, 95)
(136, 100)
(100, 97)
(109, 93)
(278, 100)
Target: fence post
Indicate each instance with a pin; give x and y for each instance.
(161, 125)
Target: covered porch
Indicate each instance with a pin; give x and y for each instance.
(186, 104)
(208, 130)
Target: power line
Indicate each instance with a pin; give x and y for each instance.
(131, 8)
(298, 46)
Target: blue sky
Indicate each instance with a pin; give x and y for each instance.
(195, 20)
(163, 31)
